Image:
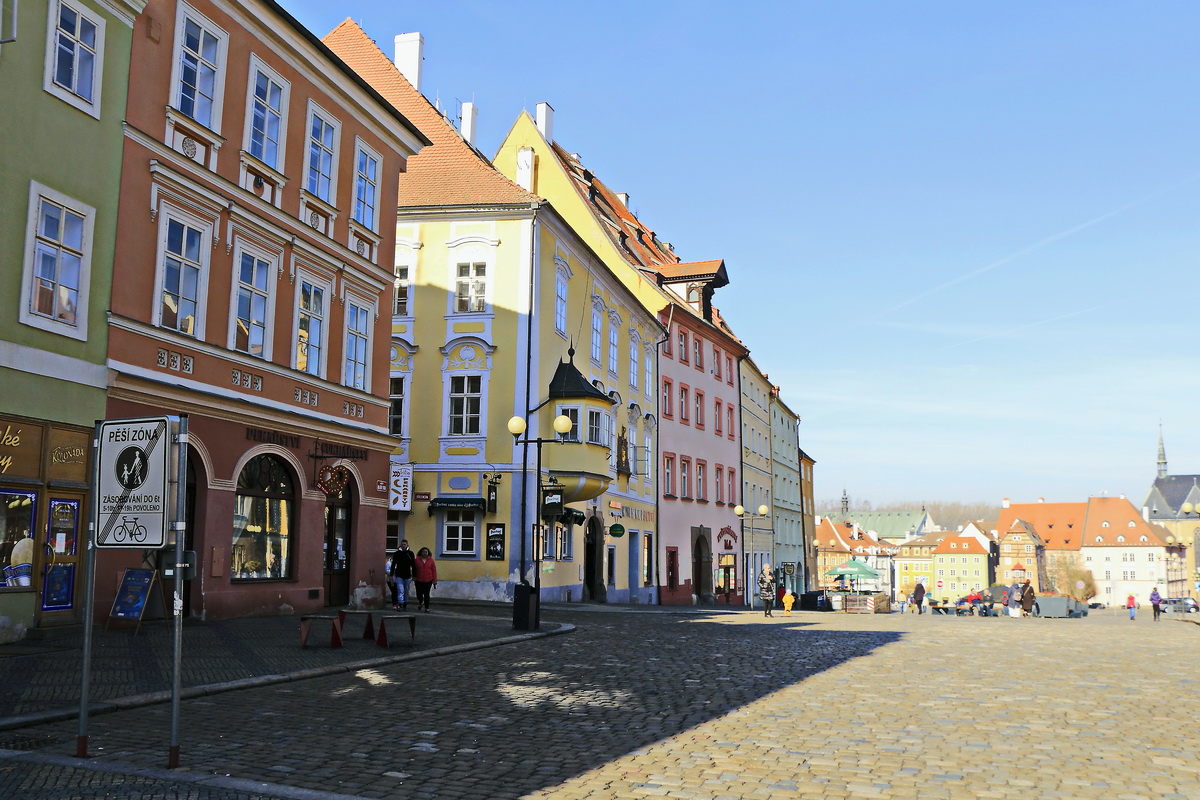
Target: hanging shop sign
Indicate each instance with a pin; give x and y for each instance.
(400, 487)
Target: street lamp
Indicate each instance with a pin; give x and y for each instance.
(526, 598)
(743, 514)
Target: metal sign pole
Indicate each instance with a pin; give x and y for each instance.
(89, 589)
(180, 527)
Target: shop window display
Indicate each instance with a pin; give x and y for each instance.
(17, 514)
(262, 520)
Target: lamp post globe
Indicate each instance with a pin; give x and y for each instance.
(516, 426)
(739, 510)
(763, 511)
(562, 423)
(1187, 508)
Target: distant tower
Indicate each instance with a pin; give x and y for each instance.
(845, 504)
(1162, 455)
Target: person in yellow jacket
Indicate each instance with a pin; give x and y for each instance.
(788, 600)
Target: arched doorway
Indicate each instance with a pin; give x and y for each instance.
(337, 545)
(702, 570)
(594, 588)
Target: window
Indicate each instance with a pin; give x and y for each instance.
(310, 329)
(668, 481)
(396, 408)
(470, 288)
(729, 419)
(560, 303)
(58, 259)
(698, 355)
(612, 347)
(599, 428)
(564, 543)
(268, 99)
(731, 496)
(683, 404)
(597, 328)
(366, 188)
(685, 478)
(182, 269)
(322, 146)
(717, 416)
(1028, 548)
(719, 484)
(75, 56)
(729, 370)
(699, 409)
(400, 292)
(667, 398)
(357, 345)
(649, 373)
(634, 366)
(250, 305)
(573, 415)
(683, 346)
(666, 346)
(262, 520)
(647, 559)
(198, 70)
(717, 363)
(701, 481)
(459, 534)
(466, 399)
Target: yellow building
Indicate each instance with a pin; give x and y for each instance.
(960, 566)
(914, 564)
(501, 311)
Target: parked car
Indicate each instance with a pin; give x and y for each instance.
(1183, 604)
(1095, 605)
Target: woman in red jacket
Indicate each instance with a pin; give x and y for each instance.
(424, 576)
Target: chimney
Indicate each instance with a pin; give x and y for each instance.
(1146, 513)
(1041, 499)
(467, 128)
(525, 160)
(624, 198)
(545, 121)
(1004, 504)
(410, 48)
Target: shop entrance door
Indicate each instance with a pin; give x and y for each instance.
(337, 548)
(56, 562)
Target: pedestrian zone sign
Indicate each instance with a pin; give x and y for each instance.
(133, 471)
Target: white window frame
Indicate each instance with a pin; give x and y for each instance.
(406, 282)
(257, 65)
(668, 478)
(183, 14)
(571, 413)
(316, 112)
(78, 330)
(635, 365)
(479, 415)
(701, 480)
(599, 427)
(613, 347)
(597, 334)
(354, 301)
(69, 95)
(400, 420)
(561, 299)
(460, 524)
(323, 346)
(361, 149)
(471, 280)
(685, 478)
(649, 387)
(166, 214)
(241, 248)
(719, 483)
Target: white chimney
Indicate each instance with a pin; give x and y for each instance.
(1146, 513)
(1041, 499)
(410, 49)
(624, 198)
(468, 122)
(545, 121)
(1005, 503)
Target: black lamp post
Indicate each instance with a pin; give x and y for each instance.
(526, 598)
(743, 514)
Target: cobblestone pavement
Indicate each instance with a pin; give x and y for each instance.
(646, 704)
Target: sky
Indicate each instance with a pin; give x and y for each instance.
(962, 237)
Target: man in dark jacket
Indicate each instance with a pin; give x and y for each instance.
(919, 597)
(400, 570)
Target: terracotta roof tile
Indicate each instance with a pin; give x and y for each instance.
(1059, 525)
(448, 173)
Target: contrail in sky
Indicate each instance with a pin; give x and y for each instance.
(1023, 327)
(1039, 245)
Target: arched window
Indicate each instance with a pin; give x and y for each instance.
(262, 520)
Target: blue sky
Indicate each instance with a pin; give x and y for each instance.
(961, 236)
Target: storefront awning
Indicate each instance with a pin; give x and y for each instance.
(453, 501)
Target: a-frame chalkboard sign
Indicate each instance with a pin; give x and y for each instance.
(136, 598)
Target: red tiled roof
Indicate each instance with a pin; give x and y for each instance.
(1110, 519)
(450, 172)
(961, 544)
(1058, 524)
(691, 269)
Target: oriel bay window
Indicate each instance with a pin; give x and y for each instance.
(262, 520)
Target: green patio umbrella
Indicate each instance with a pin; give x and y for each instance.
(855, 570)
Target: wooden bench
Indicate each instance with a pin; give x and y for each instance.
(950, 610)
(382, 639)
(335, 636)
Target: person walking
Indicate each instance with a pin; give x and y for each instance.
(1028, 596)
(766, 589)
(424, 576)
(1156, 603)
(919, 597)
(1131, 604)
(789, 599)
(399, 572)
(1014, 599)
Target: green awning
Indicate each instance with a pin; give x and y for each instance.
(455, 501)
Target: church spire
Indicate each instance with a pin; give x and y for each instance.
(845, 504)
(1162, 454)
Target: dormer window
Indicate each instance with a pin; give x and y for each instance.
(1132, 524)
(1120, 538)
(1143, 539)
(1099, 539)
(1104, 524)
